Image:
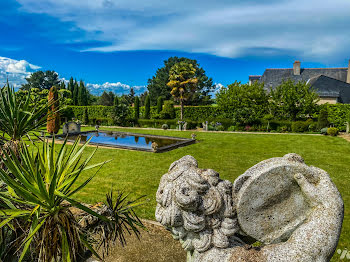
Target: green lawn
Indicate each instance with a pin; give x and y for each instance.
(228, 153)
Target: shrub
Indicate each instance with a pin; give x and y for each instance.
(283, 129)
(231, 128)
(324, 131)
(300, 126)
(323, 118)
(165, 126)
(168, 111)
(332, 131)
(220, 128)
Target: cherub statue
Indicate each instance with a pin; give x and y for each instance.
(294, 210)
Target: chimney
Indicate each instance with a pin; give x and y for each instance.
(348, 78)
(296, 68)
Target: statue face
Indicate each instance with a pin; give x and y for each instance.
(197, 206)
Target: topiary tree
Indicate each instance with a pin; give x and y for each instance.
(137, 107)
(159, 104)
(323, 118)
(147, 107)
(53, 117)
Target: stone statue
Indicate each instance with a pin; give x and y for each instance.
(294, 210)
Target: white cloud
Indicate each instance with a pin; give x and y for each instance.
(309, 29)
(15, 71)
(118, 88)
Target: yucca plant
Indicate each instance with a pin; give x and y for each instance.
(18, 117)
(40, 191)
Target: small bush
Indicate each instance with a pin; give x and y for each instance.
(324, 131)
(332, 131)
(231, 128)
(323, 119)
(220, 128)
(301, 126)
(168, 111)
(165, 126)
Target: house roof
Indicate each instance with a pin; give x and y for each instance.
(328, 87)
(274, 77)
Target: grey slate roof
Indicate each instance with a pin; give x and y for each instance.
(274, 77)
(329, 87)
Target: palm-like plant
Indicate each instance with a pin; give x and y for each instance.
(40, 191)
(183, 82)
(18, 117)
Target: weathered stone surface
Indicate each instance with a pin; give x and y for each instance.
(293, 209)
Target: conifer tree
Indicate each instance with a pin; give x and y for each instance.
(147, 107)
(137, 107)
(159, 104)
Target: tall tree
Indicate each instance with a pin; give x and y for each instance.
(137, 107)
(71, 85)
(183, 82)
(53, 117)
(131, 96)
(159, 104)
(41, 80)
(293, 100)
(157, 85)
(147, 108)
(246, 103)
(107, 99)
(75, 92)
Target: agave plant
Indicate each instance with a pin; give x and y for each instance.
(40, 191)
(18, 117)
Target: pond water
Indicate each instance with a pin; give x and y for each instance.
(117, 139)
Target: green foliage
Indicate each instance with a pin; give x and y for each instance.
(159, 104)
(165, 126)
(338, 114)
(120, 112)
(86, 116)
(18, 117)
(107, 99)
(168, 111)
(41, 80)
(248, 103)
(301, 126)
(137, 107)
(183, 82)
(157, 85)
(293, 101)
(332, 131)
(323, 118)
(147, 108)
(36, 194)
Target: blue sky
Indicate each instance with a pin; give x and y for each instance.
(121, 43)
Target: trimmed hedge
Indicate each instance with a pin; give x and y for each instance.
(337, 115)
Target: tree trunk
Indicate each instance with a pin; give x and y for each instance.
(182, 109)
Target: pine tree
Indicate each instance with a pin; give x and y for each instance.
(53, 117)
(147, 107)
(137, 107)
(81, 92)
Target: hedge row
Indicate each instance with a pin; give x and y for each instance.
(337, 115)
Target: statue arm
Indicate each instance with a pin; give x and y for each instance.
(316, 239)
